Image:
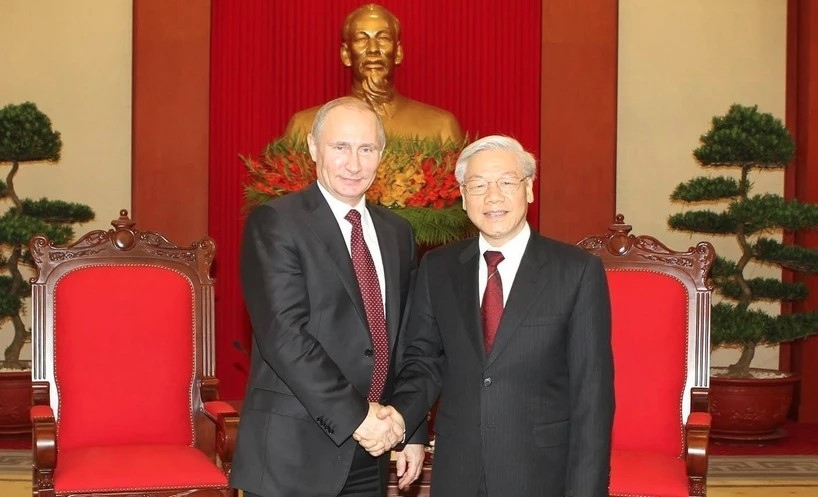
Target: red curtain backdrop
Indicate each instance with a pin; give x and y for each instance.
(479, 59)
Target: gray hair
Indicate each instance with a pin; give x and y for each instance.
(350, 103)
(495, 142)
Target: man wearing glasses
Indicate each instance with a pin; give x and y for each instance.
(513, 331)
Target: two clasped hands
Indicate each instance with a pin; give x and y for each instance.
(381, 430)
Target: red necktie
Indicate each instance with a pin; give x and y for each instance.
(492, 308)
(373, 304)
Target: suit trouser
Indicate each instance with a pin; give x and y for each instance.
(363, 479)
(482, 491)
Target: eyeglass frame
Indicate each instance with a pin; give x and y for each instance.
(496, 183)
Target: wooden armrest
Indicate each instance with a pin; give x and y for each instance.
(226, 419)
(697, 435)
(43, 438)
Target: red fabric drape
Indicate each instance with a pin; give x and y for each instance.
(479, 59)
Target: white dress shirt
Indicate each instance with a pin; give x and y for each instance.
(340, 210)
(512, 251)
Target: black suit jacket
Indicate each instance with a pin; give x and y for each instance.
(311, 359)
(535, 416)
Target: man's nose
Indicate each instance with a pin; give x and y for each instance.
(372, 46)
(493, 192)
(353, 164)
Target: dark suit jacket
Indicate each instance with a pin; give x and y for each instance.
(536, 414)
(311, 359)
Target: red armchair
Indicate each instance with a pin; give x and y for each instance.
(660, 302)
(124, 390)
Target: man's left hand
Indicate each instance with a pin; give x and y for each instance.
(409, 464)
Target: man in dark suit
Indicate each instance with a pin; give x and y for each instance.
(325, 278)
(513, 330)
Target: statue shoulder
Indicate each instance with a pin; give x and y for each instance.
(427, 110)
(301, 122)
(436, 122)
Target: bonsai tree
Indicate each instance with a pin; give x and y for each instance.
(25, 137)
(748, 141)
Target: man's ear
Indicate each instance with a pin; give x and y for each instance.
(345, 59)
(312, 146)
(398, 54)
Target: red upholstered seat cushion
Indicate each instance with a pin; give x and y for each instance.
(145, 467)
(633, 471)
(649, 315)
(124, 357)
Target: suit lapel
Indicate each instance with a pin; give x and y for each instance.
(322, 222)
(465, 282)
(530, 276)
(390, 256)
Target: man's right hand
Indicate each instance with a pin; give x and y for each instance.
(380, 432)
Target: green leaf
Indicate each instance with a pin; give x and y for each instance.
(732, 325)
(705, 221)
(767, 289)
(437, 226)
(705, 189)
(746, 137)
(792, 257)
(26, 135)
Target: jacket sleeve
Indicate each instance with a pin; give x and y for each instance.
(590, 363)
(277, 297)
(420, 370)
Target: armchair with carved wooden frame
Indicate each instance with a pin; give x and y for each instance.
(123, 370)
(660, 304)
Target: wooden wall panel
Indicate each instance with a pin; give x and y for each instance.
(801, 181)
(171, 73)
(578, 117)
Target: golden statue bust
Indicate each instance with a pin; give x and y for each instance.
(371, 47)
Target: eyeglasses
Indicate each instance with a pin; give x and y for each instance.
(478, 187)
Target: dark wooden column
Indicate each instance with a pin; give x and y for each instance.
(801, 180)
(578, 117)
(171, 111)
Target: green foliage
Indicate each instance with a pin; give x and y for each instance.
(435, 227)
(767, 289)
(732, 325)
(26, 135)
(17, 230)
(11, 302)
(706, 221)
(745, 136)
(58, 211)
(747, 140)
(790, 257)
(771, 212)
(703, 189)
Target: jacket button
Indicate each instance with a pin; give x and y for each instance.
(486, 382)
(368, 352)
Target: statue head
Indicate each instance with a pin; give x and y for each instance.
(371, 47)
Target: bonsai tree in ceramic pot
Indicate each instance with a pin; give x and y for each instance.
(748, 141)
(26, 136)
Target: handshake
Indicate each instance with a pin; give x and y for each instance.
(382, 429)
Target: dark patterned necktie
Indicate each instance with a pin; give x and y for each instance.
(492, 307)
(373, 304)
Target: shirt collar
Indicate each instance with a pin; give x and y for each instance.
(341, 209)
(512, 248)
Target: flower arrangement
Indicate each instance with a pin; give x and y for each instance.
(415, 180)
